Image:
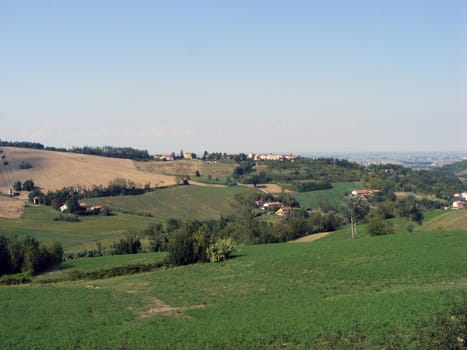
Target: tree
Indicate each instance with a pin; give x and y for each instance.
(356, 208)
(181, 247)
(4, 256)
(17, 186)
(378, 227)
(410, 208)
(245, 213)
(28, 185)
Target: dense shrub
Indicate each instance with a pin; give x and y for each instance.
(28, 185)
(220, 250)
(28, 255)
(379, 227)
(128, 245)
(25, 165)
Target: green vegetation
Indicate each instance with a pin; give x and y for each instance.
(39, 222)
(381, 292)
(327, 199)
(183, 202)
(27, 255)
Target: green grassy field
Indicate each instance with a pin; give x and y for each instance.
(331, 197)
(38, 221)
(183, 202)
(365, 293)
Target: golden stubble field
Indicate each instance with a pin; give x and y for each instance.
(55, 170)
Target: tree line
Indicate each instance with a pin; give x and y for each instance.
(28, 255)
(106, 151)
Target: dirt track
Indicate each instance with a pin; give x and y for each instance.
(310, 238)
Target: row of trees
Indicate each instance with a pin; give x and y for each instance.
(27, 185)
(106, 151)
(28, 255)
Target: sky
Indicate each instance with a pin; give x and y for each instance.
(236, 76)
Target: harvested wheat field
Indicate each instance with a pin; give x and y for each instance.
(55, 170)
(11, 207)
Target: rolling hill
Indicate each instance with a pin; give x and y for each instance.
(54, 170)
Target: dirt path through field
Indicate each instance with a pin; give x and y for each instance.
(202, 184)
(268, 188)
(310, 238)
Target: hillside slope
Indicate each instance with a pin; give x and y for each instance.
(55, 170)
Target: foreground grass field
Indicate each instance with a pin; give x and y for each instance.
(367, 293)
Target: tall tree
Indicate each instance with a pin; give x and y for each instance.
(356, 208)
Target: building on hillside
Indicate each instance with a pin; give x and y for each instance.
(464, 195)
(259, 203)
(36, 200)
(163, 157)
(63, 208)
(94, 210)
(272, 205)
(189, 155)
(364, 193)
(285, 211)
(458, 205)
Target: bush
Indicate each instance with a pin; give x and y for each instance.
(180, 248)
(66, 218)
(28, 185)
(25, 165)
(220, 250)
(380, 228)
(128, 245)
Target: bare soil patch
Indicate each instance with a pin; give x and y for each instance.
(55, 170)
(11, 207)
(310, 238)
(268, 188)
(158, 307)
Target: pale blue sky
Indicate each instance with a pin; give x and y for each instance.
(288, 76)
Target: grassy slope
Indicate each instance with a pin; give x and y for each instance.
(178, 202)
(342, 293)
(332, 196)
(38, 221)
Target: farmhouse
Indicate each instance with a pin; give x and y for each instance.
(271, 156)
(285, 211)
(364, 193)
(63, 208)
(189, 155)
(36, 200)
(163, 157)
(458, 205)
(272, 205)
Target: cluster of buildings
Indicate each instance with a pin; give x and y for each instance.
(274, 207)
(170, 157)
(84, 209)
(364, 193)
(460, 201)
(271, 156)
